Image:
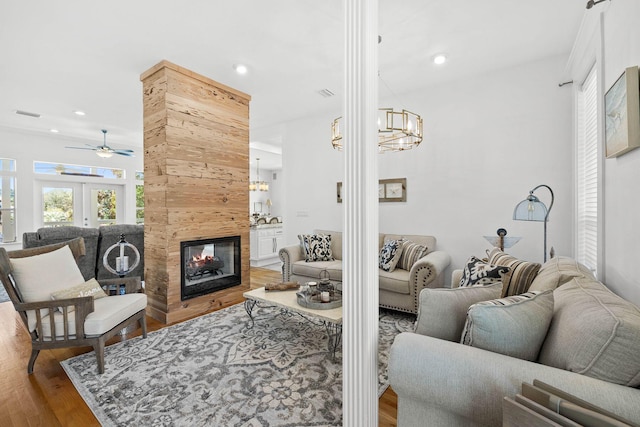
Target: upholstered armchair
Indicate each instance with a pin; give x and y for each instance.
(81, 313)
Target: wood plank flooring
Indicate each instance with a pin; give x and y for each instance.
(48, 398)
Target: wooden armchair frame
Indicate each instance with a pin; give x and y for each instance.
(82, 306)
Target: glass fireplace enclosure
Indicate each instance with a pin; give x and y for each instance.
(209, 265)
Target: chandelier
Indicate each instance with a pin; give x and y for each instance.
(397, 130)
(257, 184)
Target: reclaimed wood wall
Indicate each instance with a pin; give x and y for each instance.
(196, 178)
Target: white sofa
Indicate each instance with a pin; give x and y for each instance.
(399, 289)
(591, 350)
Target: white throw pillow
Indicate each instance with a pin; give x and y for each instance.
(89, 288)
(38, 276)
(515, 326)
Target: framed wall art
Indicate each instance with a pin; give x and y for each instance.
(389, 190)
(622, 114)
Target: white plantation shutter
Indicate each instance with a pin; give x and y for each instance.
(587, 172)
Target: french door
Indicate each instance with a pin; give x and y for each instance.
(79, 204)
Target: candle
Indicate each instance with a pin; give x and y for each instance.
(325, 297)
(122, 263)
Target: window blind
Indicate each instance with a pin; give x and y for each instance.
(587, 172)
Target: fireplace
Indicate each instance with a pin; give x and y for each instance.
(209, 265)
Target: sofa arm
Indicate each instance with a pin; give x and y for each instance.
(441, 383)
(456, 275)
(288, 255)
(427, 271)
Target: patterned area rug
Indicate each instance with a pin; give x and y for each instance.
(217, 370)
(3, 295)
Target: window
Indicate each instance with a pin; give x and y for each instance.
(77, 170)
(7, 200)
(587, 172)
(139, 197)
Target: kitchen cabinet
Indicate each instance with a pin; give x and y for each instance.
(265, 242)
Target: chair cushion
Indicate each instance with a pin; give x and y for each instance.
(522, 272)
(594, 332)
(390, 255)
(411, 253)
(313, 269)
(38, 276)
(442, 312)
(478, 272)
(515, 326)
(107, 313)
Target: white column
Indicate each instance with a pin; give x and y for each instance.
(360, 199)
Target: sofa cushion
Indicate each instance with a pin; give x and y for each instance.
(317, 247)
(558, 271)
(390, 255)
(411, 253)
(478, 272)
(396, 281)
(38, 276)
(515, 326)
(522, 272)
(442, 312)
(107, 313)
(313, 269)
(336, 242)
(594, 332)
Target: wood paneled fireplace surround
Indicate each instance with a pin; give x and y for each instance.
(196, 176)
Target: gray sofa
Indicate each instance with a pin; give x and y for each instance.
(591, 350)
(97, 241)
(399, 289)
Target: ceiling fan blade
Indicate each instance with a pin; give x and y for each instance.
(124, 152)
(82, 148)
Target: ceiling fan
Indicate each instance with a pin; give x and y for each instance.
(104, 150)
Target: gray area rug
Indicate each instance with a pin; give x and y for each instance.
(216, 370)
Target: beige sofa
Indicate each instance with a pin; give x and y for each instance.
(591, 350)
(399, 289)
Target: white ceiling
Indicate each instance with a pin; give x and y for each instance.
(57, 57)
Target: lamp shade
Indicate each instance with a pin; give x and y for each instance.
(530, 209)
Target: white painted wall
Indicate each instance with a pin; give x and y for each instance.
(622, 175)
(488, 141)
(26, 147)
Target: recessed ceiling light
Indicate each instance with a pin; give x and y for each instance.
(439, 59)
(79, 113)
(54, 130)
(240, 68)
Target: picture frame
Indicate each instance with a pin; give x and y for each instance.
(389, 190)
(622, 114)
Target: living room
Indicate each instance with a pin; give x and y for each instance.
(490, 137)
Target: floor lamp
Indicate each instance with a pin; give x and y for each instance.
(532, 209)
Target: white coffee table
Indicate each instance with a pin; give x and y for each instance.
(288, 301)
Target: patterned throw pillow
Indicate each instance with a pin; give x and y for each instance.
(411, 253)
(522, 272)
(390, 255)
(515, 326)
(478, 272)
(316, 247)
(89, 288)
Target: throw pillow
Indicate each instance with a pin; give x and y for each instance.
(316, 247)
(478, 272)
(61, 272)
(515, 326)
(390, 255)
(522, 272)
(89, 288)
(411, 253)
(442, 312)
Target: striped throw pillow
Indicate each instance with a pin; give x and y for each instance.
(515, 326)
(411, 253)
(522, 272)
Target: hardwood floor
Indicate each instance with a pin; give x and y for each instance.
(48, 398)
